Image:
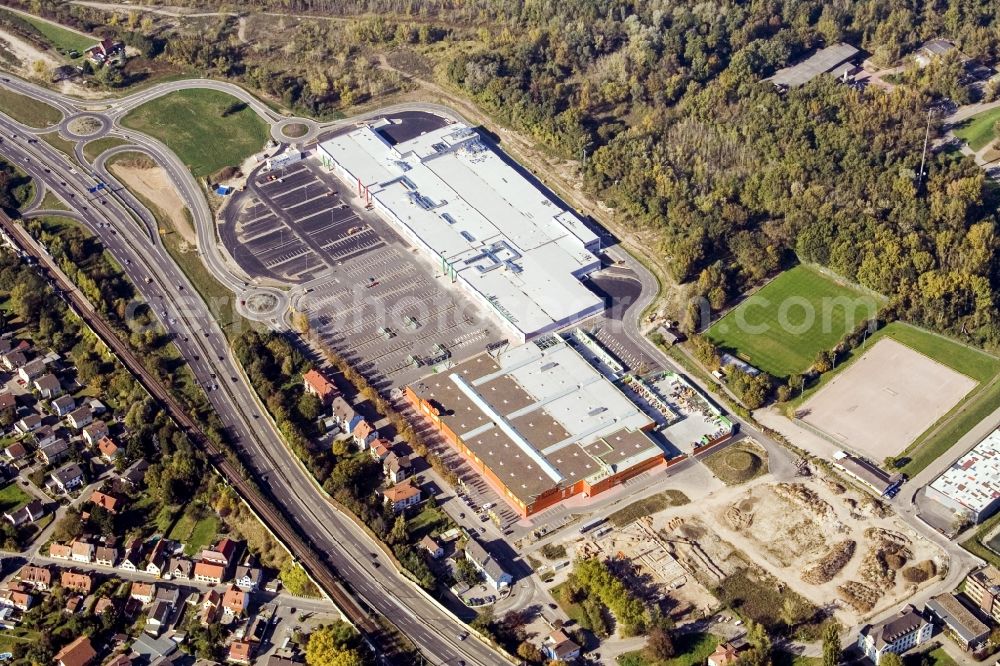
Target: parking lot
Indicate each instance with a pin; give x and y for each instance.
(368, 294)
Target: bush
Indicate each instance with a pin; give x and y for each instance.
(553, 551)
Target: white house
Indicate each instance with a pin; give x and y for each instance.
(901, 632)
(487, 565)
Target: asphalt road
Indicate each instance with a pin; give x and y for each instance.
(200, 340)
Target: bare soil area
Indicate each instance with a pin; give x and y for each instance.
(152, 183)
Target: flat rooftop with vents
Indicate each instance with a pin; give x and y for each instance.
(540, 422)
(972, 484)
(488, 227)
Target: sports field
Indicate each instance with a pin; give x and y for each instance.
(782, 326)
(886, 399)
(192, 124)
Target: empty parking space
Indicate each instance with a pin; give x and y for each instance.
(369, 296)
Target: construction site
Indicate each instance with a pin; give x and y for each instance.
(809, 548)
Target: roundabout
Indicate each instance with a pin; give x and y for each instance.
(262, 303)
(84, 126)
(294, 130)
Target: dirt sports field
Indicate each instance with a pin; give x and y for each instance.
(885, 399)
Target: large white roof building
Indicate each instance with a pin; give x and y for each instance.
(495, 233)
(972, 483)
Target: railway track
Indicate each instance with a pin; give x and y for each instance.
(298, 545)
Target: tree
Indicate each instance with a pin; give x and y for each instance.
(831, 645)
(660, 644)
(334, 644)
(890, 659)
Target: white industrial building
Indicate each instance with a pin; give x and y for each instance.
(492, 231)
(972, 484)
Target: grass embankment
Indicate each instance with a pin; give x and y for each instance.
(782, 326)
(27, 110)
(978, 131)
(692, 649)
(737, 463)
(93, 149)
(51, 202)
(63, 39)
(221, 302)
(976, 543)
(207, 129)
(648, 506)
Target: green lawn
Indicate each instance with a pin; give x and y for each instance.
(648, 506)
(692, 649)
(780, 658)
(27, 110)
(737, 463)
(93, 149)
(51, 202)
(196, 535)
(974, 363)
(936, 657)
(12, 498)
(63, 39)
(977, 131)
(782, 326)
(191, 123)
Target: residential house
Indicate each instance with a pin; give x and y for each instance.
(210, 603)
(17, 598)
(105, 605)
(7, 401)
(967, 629)
(402, 496)
(29, 423)
(396, 467)
(45, 435)
(54, 452)
(235, 601)
(133, 556)
(248, 578)
(380, 449)
(80, 417)
(207, 572)
(983, 589)
(321, 387)
(110, 503)
(73, 604)
(364, 434)
(179, 568)
(28, 513)
(725, 654)
(494, 573)
(135, 476)
(48, 386)
(143, 592)
(108, 449)
(559, 647)
(158, 559)
(67, 477)
(63, 405)
(902, 632)
(78, 653)
(226, 552)
(431, 545)
(106, 556)
(105, 50)
(60, 551)
(15, 452)
(13, 360)
(82, 552)
(37, 576)
(240, 652)
(31, 370)
(76, 581)
(158, 617)
(344, 415)
(94, 432)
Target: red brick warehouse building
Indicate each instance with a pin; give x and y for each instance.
(539, 422)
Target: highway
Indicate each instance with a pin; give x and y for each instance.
(124, 227)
